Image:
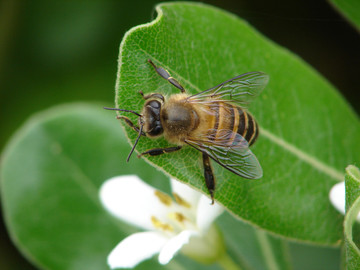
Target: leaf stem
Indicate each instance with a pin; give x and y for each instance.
(227, 263)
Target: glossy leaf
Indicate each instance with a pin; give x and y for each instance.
(308, 133)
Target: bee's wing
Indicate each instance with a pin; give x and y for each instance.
(233, 155)
(241, 89)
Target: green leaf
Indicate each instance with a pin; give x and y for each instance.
(51, 172)
(352, 183)
(350, 9)
(308, 133)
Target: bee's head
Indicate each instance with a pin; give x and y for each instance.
(150, 118)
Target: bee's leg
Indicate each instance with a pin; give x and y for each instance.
(160, 151)
(156, 95)
(130, 124)
(209, 176)
(166, 75)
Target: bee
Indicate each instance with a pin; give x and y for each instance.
(214, 122)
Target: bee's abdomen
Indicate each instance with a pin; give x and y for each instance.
(230, 117)
(247, 127)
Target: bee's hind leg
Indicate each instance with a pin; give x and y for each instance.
(209, 176)
(166, 75)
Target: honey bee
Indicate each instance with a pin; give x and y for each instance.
(214, 122)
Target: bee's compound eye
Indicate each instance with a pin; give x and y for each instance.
(154, 104)
(153, 124)
(157, 130)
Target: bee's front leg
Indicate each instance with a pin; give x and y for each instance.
(131, 124)
(160, 151)
(166, 75)
(209, 176)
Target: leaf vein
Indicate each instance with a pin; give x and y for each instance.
(312, 161)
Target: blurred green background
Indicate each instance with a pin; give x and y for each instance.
(53, 52)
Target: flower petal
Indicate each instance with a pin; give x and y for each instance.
(337, 197)
(207, 213)
(187, 193)
(135, 249)
(174, 245)
(132, 200)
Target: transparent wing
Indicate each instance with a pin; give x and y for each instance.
(241, 90)
(230, 150)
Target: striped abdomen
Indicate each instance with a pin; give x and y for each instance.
(227, 116)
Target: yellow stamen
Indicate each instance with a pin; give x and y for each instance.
(160, 225)
(181, 201)
(164, 198)
(178, 217)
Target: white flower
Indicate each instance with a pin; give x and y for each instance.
(184, 223)
(337, 197)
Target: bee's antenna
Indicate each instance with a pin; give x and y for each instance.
(122, 110)
(140, 130)
(132, 150)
